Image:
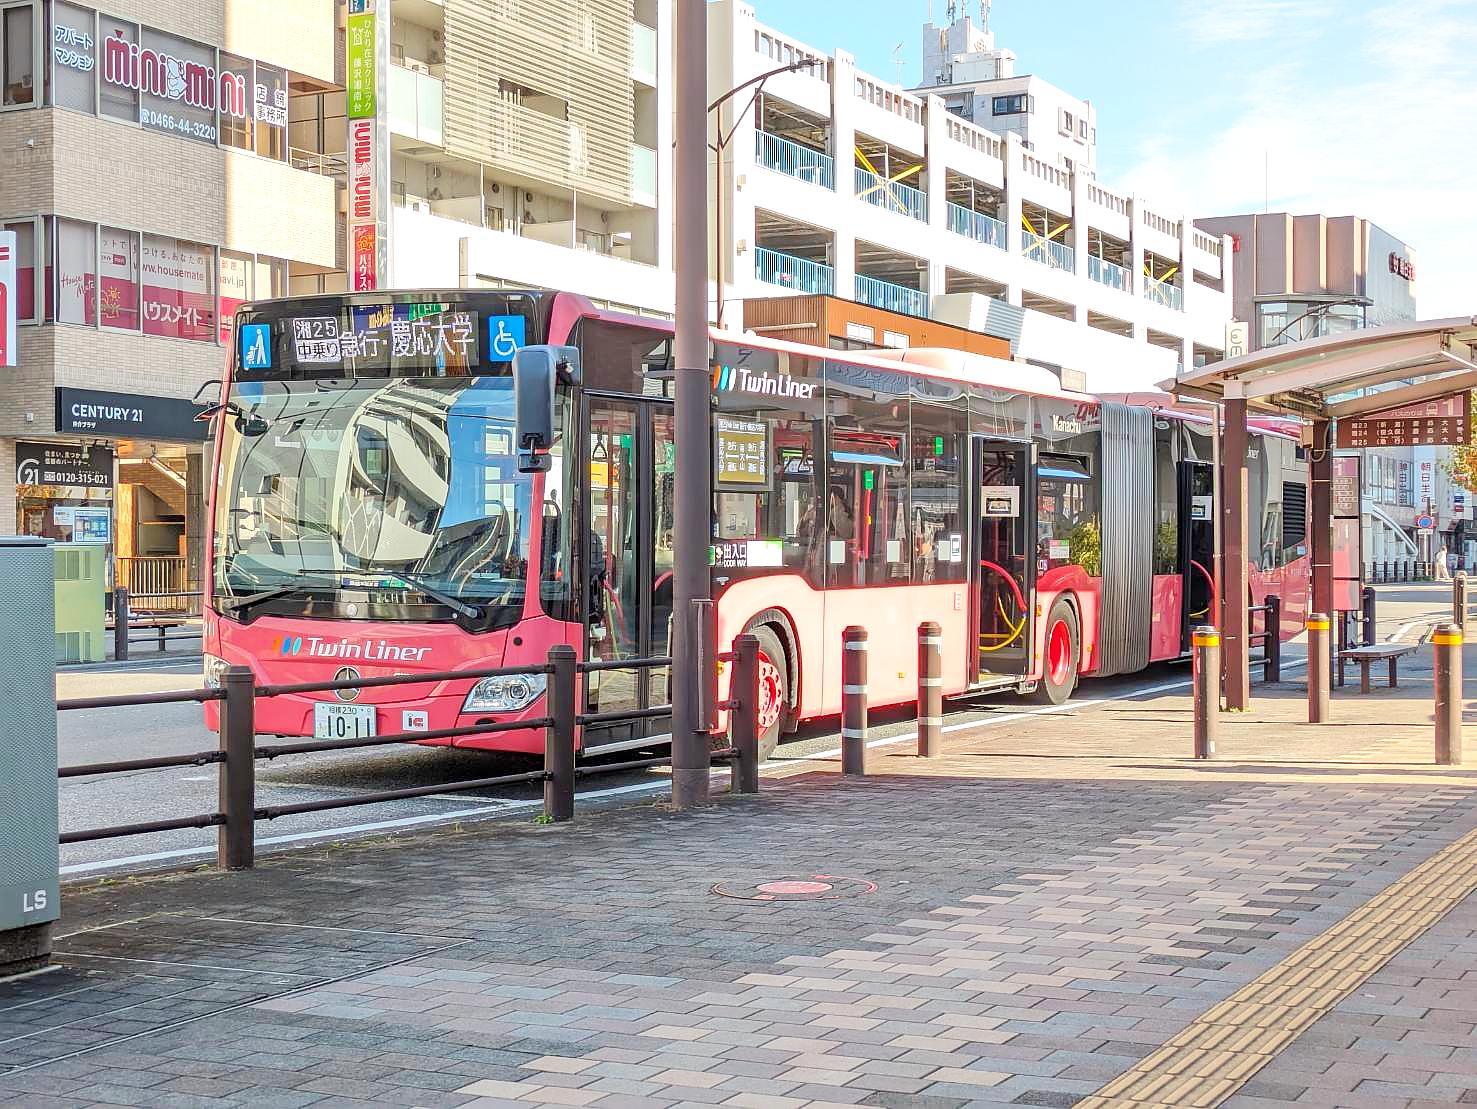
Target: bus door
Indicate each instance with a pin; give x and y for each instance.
(627, 517)
(1002, 568)
(1196, 546)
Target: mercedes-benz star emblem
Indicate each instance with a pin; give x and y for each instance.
(346, 674)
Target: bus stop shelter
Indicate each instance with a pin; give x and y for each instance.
(1402, 384)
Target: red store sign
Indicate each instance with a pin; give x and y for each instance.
(1402, 267)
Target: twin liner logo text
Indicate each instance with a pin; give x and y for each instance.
(738, 379)
(370, 650)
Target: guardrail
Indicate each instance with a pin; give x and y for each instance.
(238, 752)
(1400, 569)
(1270, 637)
(170, 617)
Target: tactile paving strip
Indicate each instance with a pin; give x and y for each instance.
(1220, 1050)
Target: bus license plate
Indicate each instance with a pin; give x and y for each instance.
(343, 721)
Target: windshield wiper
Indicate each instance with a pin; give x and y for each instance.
(240, 604)
(460, 607)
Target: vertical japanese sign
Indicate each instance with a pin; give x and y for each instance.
(367, 52)
(8, 295)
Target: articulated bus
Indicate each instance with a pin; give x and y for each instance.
(372, 515)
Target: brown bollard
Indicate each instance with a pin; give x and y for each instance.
(854, 701)
(1206, 662)
(930, 690)
(1447, 642)
(1317, 625)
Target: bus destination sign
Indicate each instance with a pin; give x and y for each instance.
(1439, 423)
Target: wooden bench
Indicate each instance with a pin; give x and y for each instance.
(1370, 654)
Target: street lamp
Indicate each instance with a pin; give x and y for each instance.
(718, 148)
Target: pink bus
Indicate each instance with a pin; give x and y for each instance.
(378, 509)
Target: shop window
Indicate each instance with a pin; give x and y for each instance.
(237, 89)
(76, 272)
(18, 56)
(180, 114)
(237, 277)
(25, 270)
(178, 289)
(269, 109)
(118, 277)
(73, 58)
(115, 101)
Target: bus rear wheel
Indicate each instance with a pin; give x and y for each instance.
(1060, 656)
(774, 689)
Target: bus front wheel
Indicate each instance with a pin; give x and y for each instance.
(1060, 656)
(774, 689)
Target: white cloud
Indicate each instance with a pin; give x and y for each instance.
(1219, 22)
(1380, 130)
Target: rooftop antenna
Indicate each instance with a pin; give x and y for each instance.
(953, 10)
(897, 59)
(985, 14)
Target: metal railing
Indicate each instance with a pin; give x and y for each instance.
(1463, 602)
(1400, 569)
(892, 195)
(1049, 252)
(1162, 292)
(778, 268)
(238, 752)
(153, 573)
(157, 613)
(1270, 637)
(1107, 273)
(894, 298)
(316, 161)
(794, 160)
(974, 225)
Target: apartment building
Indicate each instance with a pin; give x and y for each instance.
(530, 146)
(833, 181)
(1299, 277)
(152, 179)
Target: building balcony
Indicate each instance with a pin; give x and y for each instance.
(976, 225)
(1171, 296)
(892, 195)
(1049, 252)
(416, 105)
(794, 160)
(893, 298)
(1107, 273)
(800, 274)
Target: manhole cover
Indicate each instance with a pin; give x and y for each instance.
(814, 887)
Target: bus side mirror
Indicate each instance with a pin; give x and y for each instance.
(536, 372)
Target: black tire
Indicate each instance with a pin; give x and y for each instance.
(772, 650)
(1059, 676)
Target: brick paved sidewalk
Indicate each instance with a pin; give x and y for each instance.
(1056, 902)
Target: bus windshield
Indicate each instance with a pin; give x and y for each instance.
(376, 499)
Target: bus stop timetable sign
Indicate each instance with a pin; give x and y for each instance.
(1441, 423)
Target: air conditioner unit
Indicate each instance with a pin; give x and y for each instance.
(419, 67)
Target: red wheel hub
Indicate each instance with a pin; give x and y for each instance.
(1059, 653)
(771, 693)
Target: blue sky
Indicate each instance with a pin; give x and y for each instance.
(1346, 107)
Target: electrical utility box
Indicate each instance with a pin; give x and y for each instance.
(30, 895)
(81, 583)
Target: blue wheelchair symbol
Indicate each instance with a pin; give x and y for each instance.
(506, 335)
(256, 346)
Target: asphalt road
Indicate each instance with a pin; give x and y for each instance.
(143, 731)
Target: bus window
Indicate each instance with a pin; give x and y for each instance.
(1066, 516)
(939, 435)
(866, 509)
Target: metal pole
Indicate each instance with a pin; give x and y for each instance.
(1206, 682)
(1272, 671)
(1317, 667)
(1235, 619)
(930, 690)
(854, 701)
(1320, 515)
(744, 693)
(235, 840)
(1366, 606)
(693, 507)
(120, 624)
(1459, 600)
(559, 737)
(1447, 642)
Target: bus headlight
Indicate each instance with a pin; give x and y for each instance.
(214, 668)
(511, 694)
